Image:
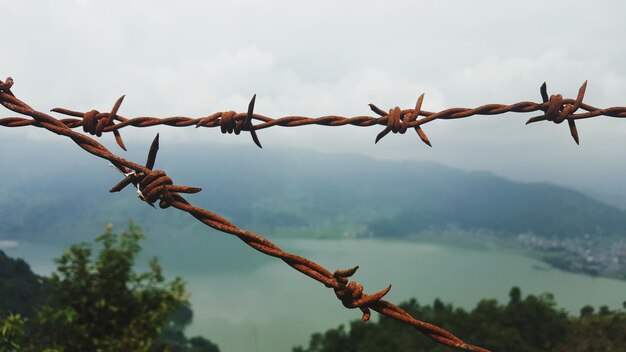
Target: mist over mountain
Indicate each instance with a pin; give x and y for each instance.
(54, 192)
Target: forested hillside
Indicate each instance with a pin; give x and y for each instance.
(288, 193)
(524, 324)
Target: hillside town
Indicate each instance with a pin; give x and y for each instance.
(586, 254)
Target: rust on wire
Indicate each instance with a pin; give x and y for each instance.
(557, 111)
(554, 108)
(155, 185)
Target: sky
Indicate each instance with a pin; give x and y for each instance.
(195, 58)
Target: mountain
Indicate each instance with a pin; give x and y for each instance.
(20, 289)
(54, 192)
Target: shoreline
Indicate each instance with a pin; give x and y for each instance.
(553, 257)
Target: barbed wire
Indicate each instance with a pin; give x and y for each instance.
(554, 108)
(155, 185)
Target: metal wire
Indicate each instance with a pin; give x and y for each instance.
(554, 108)
(155, 185)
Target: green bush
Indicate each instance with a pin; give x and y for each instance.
(98, 303)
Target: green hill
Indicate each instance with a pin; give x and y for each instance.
(20, 289)
(51, 191)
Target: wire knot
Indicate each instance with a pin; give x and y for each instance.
(398, 121)
(230, 122)
(6, 85)
(152, 185)
(558, 109)
(555, 111)
(351, 295)
(394, 122)
(94, 122)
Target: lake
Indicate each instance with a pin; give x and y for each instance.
(244, 301)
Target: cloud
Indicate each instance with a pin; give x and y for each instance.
(329, 57)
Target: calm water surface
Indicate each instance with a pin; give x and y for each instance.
(246, 302)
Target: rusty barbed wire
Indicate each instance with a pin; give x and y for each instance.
(554, 108)
(155, 185)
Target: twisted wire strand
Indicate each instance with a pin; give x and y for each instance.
(554, 108)
(155, 185)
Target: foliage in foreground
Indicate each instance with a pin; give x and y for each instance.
(523, 325)
(101, 304)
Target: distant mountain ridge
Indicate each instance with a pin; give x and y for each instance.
(286, 193)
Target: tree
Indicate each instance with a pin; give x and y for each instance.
(173, 339)
(102, 304)
(525, 324)
(515, 295)
(12, 335)
(586, 311)
(95, 304)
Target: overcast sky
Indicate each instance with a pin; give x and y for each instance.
(335, 57)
